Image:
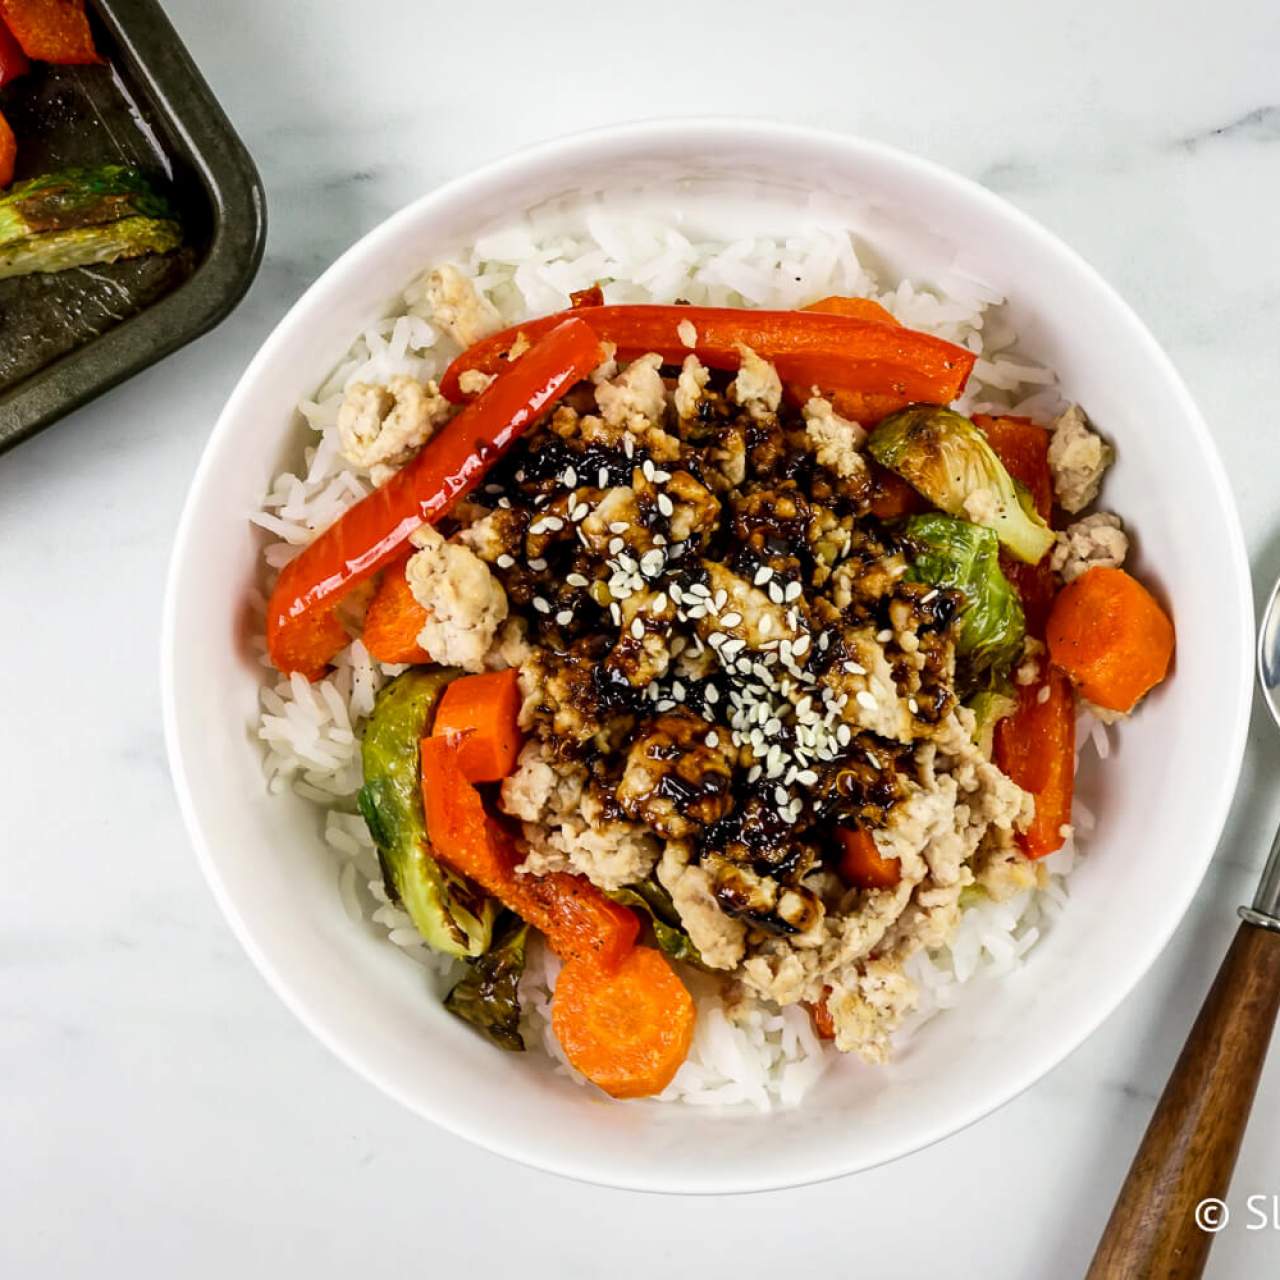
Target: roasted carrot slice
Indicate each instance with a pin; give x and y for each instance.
(824, 1025)
(1107, 632)
(579, 922)
(478, 714)
(627, 1030)
(394, 619)
(860, 862)
(858, 308)
(1036, 747)
(51, 30)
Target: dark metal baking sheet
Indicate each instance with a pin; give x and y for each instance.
(67, 337)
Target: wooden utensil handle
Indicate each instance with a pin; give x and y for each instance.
(1190, 1146)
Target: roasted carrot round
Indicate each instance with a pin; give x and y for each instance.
(861, 864)
(394, 619)
(627, 1030)
(1110, 636)
(858, 308)
(479, 715)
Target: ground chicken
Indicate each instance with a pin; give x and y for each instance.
(636, 396)
(757, 387)
(836, 441)
(690, 385)
(465, 603)
(458, 309)
(1098, 539)
(1078, 457)
(720, 940)
(386, 426)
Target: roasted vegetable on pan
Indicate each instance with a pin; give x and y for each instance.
(77, 217)
(944, 456)
(451, 914)
(956, 555)
(651, 900)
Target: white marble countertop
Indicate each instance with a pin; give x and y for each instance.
(160, 1110)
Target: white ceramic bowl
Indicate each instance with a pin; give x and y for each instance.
(1160, 803)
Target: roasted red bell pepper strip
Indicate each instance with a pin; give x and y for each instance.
(837, 354)
(302, 632)
(8, 152)
(51, 30)
(1036, 747)
(13, 62)
(1023, 447)
(579, 922)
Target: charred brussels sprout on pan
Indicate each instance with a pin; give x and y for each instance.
(488, 996)
(945, 457)
(450, 913)
(955, 555)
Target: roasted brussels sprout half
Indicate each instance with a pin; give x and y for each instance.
(450, 913)
(947, 459)
(955, 555)
(77, 217)
(989, 707)
(488, 995)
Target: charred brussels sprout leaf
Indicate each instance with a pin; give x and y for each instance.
(947, 459)
(488, 996)
(654, 902)
(450, 913)
(956, 555)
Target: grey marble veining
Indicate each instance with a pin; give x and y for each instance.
(160, 1111)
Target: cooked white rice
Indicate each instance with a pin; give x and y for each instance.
(311, 731)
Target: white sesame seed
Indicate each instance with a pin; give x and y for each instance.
(866, 700)
(700, 589)
(753, 774)
(924, 599)
(505, 503)
(618, 526)
(722, 599)
(696, 612)
(564, 617)
(873, 759)
(603, 477)
(766, 624)
(658, 603)
(1041, 697)
(855, 668)
(732, 618)
(913, 706)
(629, 446)
(883, 637)
(569, 478)
(712, 694)
(712, 739)
(665, 505)
(792, 591)
(541, 605)
(646, 469)
(616, 614)
(660, 476)
(579, 513)
(844, 735)
(615, 545)
(824, 641)
(505, 561)
(651, 563)
(801, 646)
(733, 646)
(763, 574)
(775, 593)
(637, 628)
(780, 795)
(493, 488)
(577, 580)
(716, 639)
(537, 564)
(554, 523)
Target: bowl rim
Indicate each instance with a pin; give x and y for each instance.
(1039, 1059)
